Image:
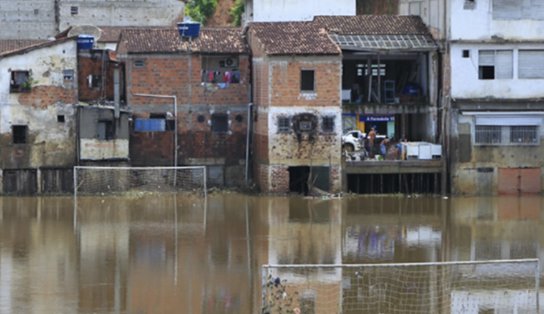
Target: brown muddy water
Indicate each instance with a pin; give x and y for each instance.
(167, 254)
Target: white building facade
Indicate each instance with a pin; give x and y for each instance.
(496, 102)
(295, 10)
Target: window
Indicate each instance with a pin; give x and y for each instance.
(96, 81)
(19, 133)
(20, 81)
(60, 118)
(488, 134)
(466, 53)
(531, 64)
(328, 124)
(307, 81)
(524, 134)
(68, 75)
(284, 124)
(105, 130)
(74, 10)
(139, 63)
(220, 70)
(495, 64)
(506, 135)
(469, 4)
(220, 123)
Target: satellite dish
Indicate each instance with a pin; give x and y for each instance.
(85, 30)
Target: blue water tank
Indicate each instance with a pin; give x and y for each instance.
(188, 29)
(85, 42)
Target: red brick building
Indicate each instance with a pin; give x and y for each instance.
(195, 92)
(297, 76)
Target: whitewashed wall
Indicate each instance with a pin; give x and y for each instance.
(479, 23)
(299, 10)
(465, 82)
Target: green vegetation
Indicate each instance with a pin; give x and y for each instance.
(236, 12)
(200, 10)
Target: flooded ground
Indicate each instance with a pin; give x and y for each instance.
(185, 255)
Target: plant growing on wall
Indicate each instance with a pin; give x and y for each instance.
(200, 10)
(236, 12)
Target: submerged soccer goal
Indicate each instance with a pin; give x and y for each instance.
(473, 287)
(139, 180)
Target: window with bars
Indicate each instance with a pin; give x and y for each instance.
(488, 134)
(284, 124)
(506, 135)
(328, 124)
(526, 134)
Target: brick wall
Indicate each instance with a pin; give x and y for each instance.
(273, 179)
(168, 75)
(43, 97)
(92, 65)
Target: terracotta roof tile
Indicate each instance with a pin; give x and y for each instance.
(16, 44)
(167, 40)
(298, 38)
(373, 25)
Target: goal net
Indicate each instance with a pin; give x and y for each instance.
(504, 286)
(138, 180)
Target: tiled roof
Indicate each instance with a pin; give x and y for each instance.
(167, 40)
(37, 45)
(110, 33)
(16, 44)
(373, 25)
(293, 38)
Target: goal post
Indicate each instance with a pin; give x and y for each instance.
(90, 180)
(494, 286)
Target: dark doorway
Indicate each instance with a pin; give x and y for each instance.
(298, 179)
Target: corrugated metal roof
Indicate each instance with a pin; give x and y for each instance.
(378, 32)
(384, 42)
(298, 38)
(167, 40)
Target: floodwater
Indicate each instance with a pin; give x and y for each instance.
(184, 254)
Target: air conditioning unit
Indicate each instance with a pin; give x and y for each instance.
(229, 63)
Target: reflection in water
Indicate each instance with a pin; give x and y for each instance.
(179, 254)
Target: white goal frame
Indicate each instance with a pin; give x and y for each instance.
(174, 169)
(286, 286)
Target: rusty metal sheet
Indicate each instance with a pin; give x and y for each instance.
(508, 181)
(530, 182)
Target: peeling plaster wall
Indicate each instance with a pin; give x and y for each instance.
(474, 169)
(49, 142)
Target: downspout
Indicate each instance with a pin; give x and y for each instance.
(248, 137)
(116, 91)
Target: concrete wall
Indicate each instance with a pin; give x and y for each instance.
(478, 22)
(464, 74)
(475, 168)
(289, 10)
(432, 12)
(91, 147)
(27, 19)
(50, 142)
(120, 12)
(44, 18)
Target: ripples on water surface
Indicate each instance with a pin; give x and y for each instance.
(183, 255)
